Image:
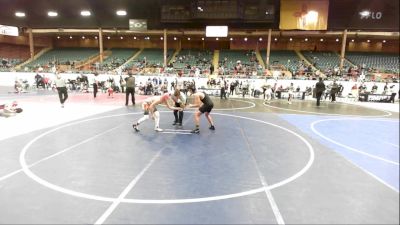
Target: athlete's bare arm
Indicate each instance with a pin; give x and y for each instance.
(197, 101)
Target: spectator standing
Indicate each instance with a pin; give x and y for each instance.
(223, 89)
(122, 83)
(211, 69)
(95, 85)
(61, 89)
(374, 88)
(393, 94)
(334, 90)
(320, 88)
(231, 88)
(130, 89)
(385, 89)
(38, 80)
(290, 93)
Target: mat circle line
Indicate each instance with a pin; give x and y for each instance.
(332, 114)
(57, 188)
(348, 147)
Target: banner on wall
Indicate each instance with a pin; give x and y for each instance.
(138, 25)
(304, 14)
(8, 30)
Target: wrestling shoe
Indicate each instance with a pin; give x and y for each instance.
(212, 127)
(158, 129)
(195, 131)
(135, 127)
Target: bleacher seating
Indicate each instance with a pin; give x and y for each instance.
(324, 60)
(289, 59)
(230, 58)
(193, 57)
(118, 57)
(150, 57)
(63, 56)
(155, 56)
(12, 55)
(383, 62)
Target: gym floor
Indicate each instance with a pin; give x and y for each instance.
(264, 164)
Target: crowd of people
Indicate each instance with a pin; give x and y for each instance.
(9, 63)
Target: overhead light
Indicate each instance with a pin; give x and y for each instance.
(85, 13)
(200, 9)
(147, 38)
(108, 37)
(188, 38)
(121, 13)
(161, 38)
(202, 39)
(134, 38)
(122, 38)
(19, 14)
(321, 40)
(231, 39)
(217, 39)
(337, 39)
(352, 40)
(70, 37)
(52, 13)
(306, 39)
(95, 37)
(260, 39)
(83, 37)
(275, 39)
(266, 12)
(368, 41)
(245, 39)
(384, 41)
(290, 39)
(174, 38)
(58, 37)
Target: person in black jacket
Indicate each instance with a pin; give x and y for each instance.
(334, 91)
(319, 89)
(130, 89)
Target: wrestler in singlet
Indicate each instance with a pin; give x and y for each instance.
(207, 104)
(146, 104)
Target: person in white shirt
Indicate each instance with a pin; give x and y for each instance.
(393, 93)
(61, 89)
(267, 93)
(290, 92)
